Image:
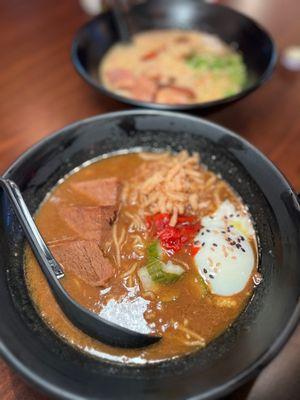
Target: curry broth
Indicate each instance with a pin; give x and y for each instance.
(182, 312)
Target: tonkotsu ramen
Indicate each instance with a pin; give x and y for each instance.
(173, 67)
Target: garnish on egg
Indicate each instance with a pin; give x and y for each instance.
(226, 257)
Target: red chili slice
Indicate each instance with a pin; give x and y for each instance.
(173, 238)
(152, 54)
(194, 250)
(158, 221)
(185, 218)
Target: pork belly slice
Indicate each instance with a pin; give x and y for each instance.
(89, 222)
(103, 192)
(121, 78)
(85, 259)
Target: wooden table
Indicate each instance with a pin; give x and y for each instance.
(40, 93)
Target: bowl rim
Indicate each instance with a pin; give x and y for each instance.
(81, 71)
(227, 387)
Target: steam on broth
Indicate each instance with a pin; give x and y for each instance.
(154, 242)
(173, 67)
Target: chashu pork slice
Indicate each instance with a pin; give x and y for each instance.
(85, 259)
(90, 223)
(101, 192)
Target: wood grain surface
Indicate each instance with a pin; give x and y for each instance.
(40, 92)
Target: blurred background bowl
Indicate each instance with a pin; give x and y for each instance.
(92, 41)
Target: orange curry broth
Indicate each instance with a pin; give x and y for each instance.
(181, 311)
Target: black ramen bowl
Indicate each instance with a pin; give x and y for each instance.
(93, 40)
(58, 369)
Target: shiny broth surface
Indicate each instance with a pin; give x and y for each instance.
(185, 312)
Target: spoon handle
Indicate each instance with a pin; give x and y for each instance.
(121, 20)
(39, 247)
(87, 321)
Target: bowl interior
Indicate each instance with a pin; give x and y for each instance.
(94, 39)
(42, 357)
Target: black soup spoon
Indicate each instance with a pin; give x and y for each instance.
(87, 321)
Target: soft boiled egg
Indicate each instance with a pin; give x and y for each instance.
(227, 257)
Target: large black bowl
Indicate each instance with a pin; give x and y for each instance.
(93, 40)
(254, 339)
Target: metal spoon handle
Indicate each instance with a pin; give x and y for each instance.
(121, 20)
(38, 246)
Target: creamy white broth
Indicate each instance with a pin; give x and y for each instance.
(174, 67)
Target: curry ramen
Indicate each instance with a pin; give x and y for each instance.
(173, 67)
(152, 241)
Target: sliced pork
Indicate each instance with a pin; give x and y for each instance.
(121, 78)
(89, 222)
(101, 192)
(85, 259)
(175, 95)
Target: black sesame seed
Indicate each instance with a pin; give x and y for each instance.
(237, 215)
(215, 244)
(211, 276)
(223, 232)
(231, 216)
(242, 238)
(243, 250)
(208, 230)
(205, 270)
(202, 233)
(238, 246)
(202, 244)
